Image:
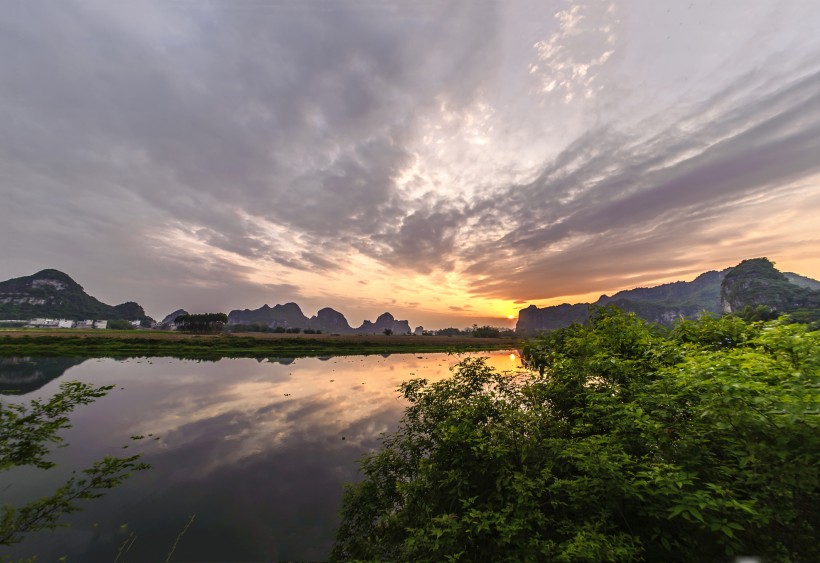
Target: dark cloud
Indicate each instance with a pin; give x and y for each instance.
(423, 240)
(295, 115)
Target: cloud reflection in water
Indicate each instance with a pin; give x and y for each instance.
(259, 451)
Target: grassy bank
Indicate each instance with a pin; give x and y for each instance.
(91, 344)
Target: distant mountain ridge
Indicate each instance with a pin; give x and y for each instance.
(754, 282)
(290, 315)
(53, 294)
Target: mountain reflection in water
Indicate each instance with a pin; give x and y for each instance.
(21, 375)
(259, 451)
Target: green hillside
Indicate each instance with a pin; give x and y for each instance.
(53, 294)
(756, 290)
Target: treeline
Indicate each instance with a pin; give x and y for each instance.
(262, 327)
(805, 315)
(476, 331)
(627, 442)
(124, 324)
(204, 323)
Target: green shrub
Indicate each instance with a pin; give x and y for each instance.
(625, 444)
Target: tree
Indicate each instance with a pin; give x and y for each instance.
(486, 331)
(388, 332)
(448, 332)
(27, 432)
(625, 444)
(201, 323)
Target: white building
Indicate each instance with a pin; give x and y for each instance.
(100, 324)
(64, 323)
(44, 323)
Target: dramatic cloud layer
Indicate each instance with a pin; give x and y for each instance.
(448, 161)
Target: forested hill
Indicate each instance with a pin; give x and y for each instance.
(753, 284)
(756, 287)
(53, 294)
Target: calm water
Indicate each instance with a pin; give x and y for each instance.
(257, 451)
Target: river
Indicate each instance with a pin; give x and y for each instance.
(256, 452)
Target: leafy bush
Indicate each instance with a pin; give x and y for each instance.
(625, 444)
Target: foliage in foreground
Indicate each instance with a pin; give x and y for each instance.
(27, 434)
(627, 445)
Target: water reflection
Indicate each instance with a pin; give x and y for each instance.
(257, 450)
(21, 375)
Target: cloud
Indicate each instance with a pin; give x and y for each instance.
(568, 60)
(518, 151)
(424, 240)
(613, 204)
(276, 116)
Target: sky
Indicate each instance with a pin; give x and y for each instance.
(449, 162)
